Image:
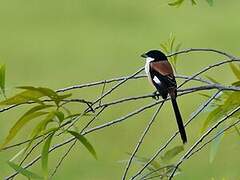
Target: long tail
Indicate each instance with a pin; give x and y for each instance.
(179, 120)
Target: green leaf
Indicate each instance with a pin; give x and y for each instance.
(85, 142)
(172, 153)
(235, 70)
(60, 115)
(237, 130)
(164, 47)
(47, 92)
(237, 83)
(176, 3)
(210, 2)
(208, 96)
(41, 127)
(48, 119)
(36, 108)
(24, 172)
(214, 147)
(44, 155)
(19, 125)
(212, 117)
(176, 50)
(154, 165)
(227, 102)
(73, 115)
(50, 130)
(193, 2)
(22, 97)
(2, 78)
(171, 42)
(62, 97)
(204, 95)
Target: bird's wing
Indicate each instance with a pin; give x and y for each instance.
(162, 67)
(165, 70)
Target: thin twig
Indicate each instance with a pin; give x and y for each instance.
(99, 83)
(135, 76)
(184, 157)
(230, 56)
(86, 132)
(109, 92)
(140, 141)
(63, 157)
(175, 134)
(213, 138)
(93, 130)
(208, 68)
(73, 144)
(155, 171)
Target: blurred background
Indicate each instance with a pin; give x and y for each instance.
(60, 43)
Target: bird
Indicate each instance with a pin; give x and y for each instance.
(160, 75)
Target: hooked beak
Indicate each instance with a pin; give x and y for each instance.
(144, 55)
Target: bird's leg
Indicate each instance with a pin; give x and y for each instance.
(155, 95)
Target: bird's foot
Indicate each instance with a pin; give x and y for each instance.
(155, 95)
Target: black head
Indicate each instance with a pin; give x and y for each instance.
(155, 54)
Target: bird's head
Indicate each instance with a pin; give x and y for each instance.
(154, 55)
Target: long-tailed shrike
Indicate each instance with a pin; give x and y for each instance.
(160, 75)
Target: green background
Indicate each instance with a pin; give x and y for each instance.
(58, 43)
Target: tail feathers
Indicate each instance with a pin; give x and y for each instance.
(179, 120)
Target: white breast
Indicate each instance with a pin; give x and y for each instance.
(147, 68)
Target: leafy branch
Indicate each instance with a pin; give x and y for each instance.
(55, 119)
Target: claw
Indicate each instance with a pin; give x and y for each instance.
(155, 95)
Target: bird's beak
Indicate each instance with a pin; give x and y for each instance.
(144, 55)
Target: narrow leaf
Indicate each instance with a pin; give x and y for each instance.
(172, 153)
(19, 125)
(73, 115)
(237, 130)
(50, 130)
(210, 2)
(172, 40)
(22, 97)
(237, 83)
(176, 3)
(60, 115)
(36, 108)
(2, 78)
(165, 49)
(45, 91)
(45, 156)
(64, 96)
(214, 147)
(235, 70)
(193, 2)
(154, 165)
(176, 50)
(212, 117)
(41, 126)
(204, 95)
(24, 172)
(85, 142)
